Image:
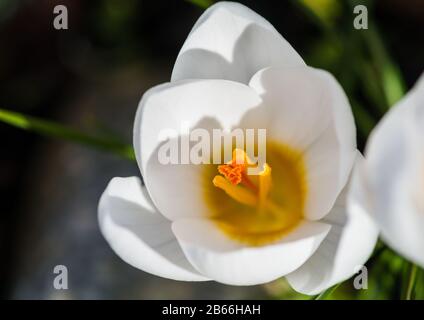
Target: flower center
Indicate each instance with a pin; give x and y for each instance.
(257, 209)
(240, 186)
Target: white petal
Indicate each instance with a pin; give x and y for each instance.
(226, 261)
(140, 235)
(307, 109)
(175, 188)
(230, 41)
(346, 248)
(395, 171)
(328, 165)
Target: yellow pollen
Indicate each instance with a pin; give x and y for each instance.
(235, 170)
(233, 173)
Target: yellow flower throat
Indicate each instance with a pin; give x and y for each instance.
(257, 209)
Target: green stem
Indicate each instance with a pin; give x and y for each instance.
(325, 294)
(392, 83)
(412, 277)
(51, 129)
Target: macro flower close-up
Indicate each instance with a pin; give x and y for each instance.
(198, 222)
(216, 156)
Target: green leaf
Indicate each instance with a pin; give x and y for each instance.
(326, 10)
(201, 3)
(327, 293)
(55, 130)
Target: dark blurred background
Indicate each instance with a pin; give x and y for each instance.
(92, 77)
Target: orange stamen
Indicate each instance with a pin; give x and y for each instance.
(232, 172)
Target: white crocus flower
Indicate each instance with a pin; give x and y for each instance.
(391, 180)
(192, 222)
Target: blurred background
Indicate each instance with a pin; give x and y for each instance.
(91, 78)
